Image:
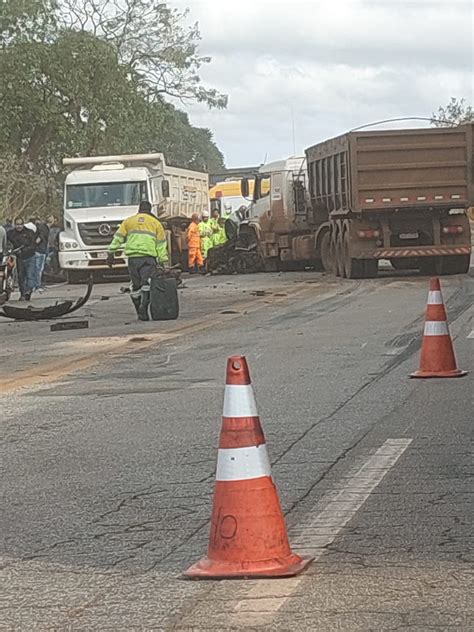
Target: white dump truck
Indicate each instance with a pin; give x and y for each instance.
(101, 191)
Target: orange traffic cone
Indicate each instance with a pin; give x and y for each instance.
(437, 354)
(248, 534)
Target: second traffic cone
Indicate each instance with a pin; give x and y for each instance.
(437, 354)
(248, 534)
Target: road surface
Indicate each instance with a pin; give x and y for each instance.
(109, 446)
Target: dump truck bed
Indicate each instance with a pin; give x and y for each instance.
(392, 169)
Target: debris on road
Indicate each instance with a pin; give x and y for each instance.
(50, 311)
(69, 324)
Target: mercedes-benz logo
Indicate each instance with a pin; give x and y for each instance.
(104, 230)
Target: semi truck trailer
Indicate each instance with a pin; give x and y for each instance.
(351, 201)
(101, 191)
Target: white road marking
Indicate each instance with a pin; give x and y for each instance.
(266, 597)
(471, 335)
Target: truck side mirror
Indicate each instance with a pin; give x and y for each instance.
(244, 187)
(165, 188)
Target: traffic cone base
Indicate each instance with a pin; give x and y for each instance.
(277, 567)
(428, 374)
(437, 353)
(248, 534)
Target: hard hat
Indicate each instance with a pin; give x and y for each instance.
(205, 213)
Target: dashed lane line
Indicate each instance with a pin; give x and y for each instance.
(266, 597)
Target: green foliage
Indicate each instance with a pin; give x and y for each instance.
(454, 113)
(95, 84)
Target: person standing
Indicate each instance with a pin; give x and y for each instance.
(23, 240)
(193, 238)
(3, 243)
(218, 230)
(205, 230)
(145, 246)
(52, 260)
(41, 250)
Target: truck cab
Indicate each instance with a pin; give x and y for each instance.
(100, 192)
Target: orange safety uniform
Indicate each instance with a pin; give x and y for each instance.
(194, 246)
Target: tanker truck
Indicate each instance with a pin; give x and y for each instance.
(351, 201)
(101, 191)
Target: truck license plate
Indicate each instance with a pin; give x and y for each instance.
(409, 235)
(101, 255)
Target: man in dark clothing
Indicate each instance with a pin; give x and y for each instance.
(41, 250)
(23, 240)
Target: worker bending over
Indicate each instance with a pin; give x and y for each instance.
(145, 246)
(193, 237)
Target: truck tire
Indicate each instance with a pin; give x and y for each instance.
(431, 266)
(371, 268)
(353, 268)
(455, 265)
(338, 258)
(326, 253)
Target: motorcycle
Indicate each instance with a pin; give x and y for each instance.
(7, 276)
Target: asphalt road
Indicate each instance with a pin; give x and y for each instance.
(107, 472)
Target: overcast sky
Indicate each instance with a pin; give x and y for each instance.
(330, 65)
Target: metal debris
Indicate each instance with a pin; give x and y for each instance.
(50, 311)
(70, 324)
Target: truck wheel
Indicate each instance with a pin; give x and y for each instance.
(326, 254)
(431, 266)
(353, 268)
(371, 268)
(456, 265)
(338, 257)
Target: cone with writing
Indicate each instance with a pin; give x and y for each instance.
(248, 534)
(437, 354)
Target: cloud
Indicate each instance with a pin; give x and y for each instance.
(329, 66)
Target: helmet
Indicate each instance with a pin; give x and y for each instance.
(205, 214)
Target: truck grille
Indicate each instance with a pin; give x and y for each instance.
(98, 233)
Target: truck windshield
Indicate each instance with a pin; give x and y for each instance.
(105, 194)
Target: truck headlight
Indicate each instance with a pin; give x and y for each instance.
(67, 245)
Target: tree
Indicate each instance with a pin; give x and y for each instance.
(454, 113)
(150, 39)
(78, 89)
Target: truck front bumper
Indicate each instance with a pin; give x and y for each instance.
(88, 260)
(416, 251)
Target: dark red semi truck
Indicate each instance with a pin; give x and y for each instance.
(400, 195)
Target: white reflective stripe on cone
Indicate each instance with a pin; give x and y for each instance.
(239, 401)
(436, 328)
(238, 464)
(434, 297)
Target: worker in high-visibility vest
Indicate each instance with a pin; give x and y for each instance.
(205, 230)
(145, 246)
(193, 238)
(218, 230)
